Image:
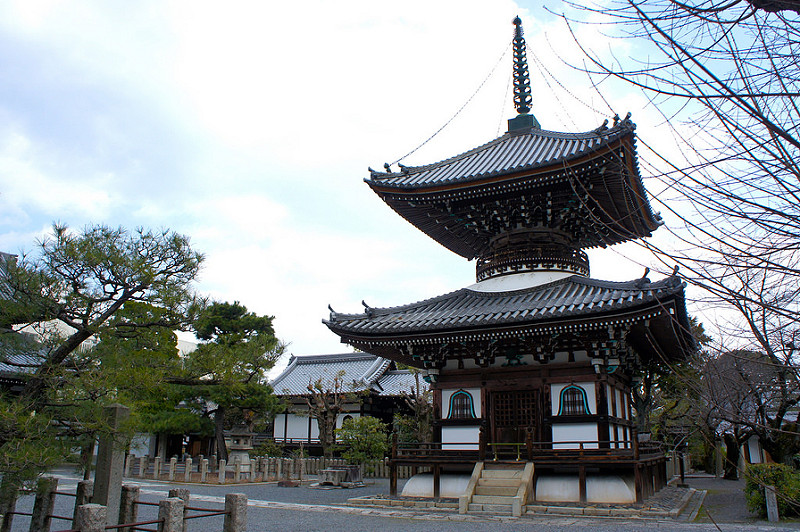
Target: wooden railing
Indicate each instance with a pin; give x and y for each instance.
(526, 451)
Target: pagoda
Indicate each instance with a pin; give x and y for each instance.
(534, 363)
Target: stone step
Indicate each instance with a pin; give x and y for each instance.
(501, 473)
(501, 491)
(490, 508)
(492, 499)
(508, 482)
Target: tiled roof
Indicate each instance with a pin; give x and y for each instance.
(18, 356)
(360, 371)
(511, 152)
(573, 296)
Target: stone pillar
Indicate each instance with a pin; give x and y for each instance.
(203, 469)
(173, 463)
(156, 468)
(222, 470)
(171, 511)
(187, 474)
(83, 495)
(237, 470)
(127, 505)
(212, 463)
(110, 463)
(236, 516)
(43, 504)
(128, 465)
(182, 494)
(91, 518)
(142, 466)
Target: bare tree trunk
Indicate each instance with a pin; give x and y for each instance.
(219, 433)
(731, 457)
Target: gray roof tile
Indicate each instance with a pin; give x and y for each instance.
(361, 371)
(570, 297)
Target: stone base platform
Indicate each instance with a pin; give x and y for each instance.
(669, 503)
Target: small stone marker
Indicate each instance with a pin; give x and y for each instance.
(772, 504)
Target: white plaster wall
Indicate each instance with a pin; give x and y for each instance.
(476, 400)
(609, 398)
(278, 426)
(755, 450)
(555, 396)
(297, 427)
(460, 438)
(140, 444)
(577, 432)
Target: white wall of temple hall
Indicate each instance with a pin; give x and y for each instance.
(297, 426)
(460, 438)
(574, 433)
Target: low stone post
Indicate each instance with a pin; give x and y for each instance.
(83, 495)
(111, 462)
(43, 504)
(142, 466)
(236, 516)
(127, 505)
(278, 468)
(212, 463)
(187, 473)
(222, 470)
(182, 494)
(237, 470)
(173, 463)
(170, 510)
(129, 465)
(771, 499)
(91, 518)
(203, 469)
(156, 468)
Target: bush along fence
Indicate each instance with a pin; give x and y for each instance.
(258, 469)
(173, 512)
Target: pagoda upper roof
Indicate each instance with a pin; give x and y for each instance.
(512, 152)
(571, 297)
(583, 185)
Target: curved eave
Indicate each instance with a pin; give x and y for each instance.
(511, 153)
(621, 195)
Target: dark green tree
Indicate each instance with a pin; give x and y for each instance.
(58, 303)
(228, 371)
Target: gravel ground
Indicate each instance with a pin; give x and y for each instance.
(307, 509)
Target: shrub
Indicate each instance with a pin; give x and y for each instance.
(787, 486)
(363, 438)
(268, 448)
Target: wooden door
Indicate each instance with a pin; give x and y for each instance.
(513, 414)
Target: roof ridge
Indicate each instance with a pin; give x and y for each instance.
(623, 126)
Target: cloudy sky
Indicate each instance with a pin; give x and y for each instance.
(249, 126)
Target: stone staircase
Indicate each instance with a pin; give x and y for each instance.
(498, 488)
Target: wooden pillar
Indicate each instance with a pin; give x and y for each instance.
(437, 479)
(637, 480)
(582, 483)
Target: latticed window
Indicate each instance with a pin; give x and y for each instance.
(461, 406)
(573, 401)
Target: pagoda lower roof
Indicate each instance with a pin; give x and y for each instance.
(571, 299)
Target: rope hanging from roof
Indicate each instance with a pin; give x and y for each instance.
(489, 75)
